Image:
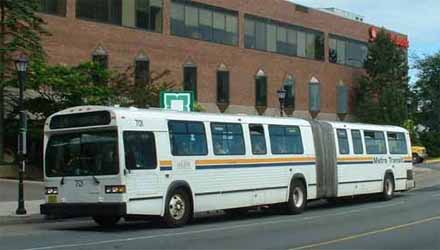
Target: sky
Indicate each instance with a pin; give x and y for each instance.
(420, 20)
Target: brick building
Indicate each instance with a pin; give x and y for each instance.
(235, 54)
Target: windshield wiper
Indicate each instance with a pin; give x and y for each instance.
(97, 182)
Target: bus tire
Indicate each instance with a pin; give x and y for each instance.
(178, 208)
(297, 197)
(388, 188)
(106, 221)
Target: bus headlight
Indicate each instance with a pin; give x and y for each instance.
(120, 189)
(51, 190)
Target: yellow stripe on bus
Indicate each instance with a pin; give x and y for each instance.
(355, 159)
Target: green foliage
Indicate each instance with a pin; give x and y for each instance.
(382, 93)
(59, 87)
(198, 107)
(410, 125)
(427, 89)
(142, 93)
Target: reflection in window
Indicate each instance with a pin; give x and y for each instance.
(397, 143)
(227, 139)
(53, 7)
(357, 142)
(348, 52)
(289, 86)
(258, 140)
(375, 142)
(285, 140)
(106, 11)
(149, 15)
(187, 138)
(344, 148)
(200, 21)
(140, 150)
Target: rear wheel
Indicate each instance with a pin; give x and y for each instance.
(106, 221)
(297, 197)
(178, 209)
(417, 159)
(388, 188)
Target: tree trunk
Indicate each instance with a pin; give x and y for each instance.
(2, 77)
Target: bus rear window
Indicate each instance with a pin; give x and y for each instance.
(98, 118)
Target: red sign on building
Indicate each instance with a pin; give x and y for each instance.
(400, 41)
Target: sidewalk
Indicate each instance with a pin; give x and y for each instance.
(8, 216)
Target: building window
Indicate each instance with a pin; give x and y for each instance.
(397, 143)
(314, 96)
(190, 79)
(187, 138)
(261, 89)
(100, 57)
(140, 150)
(347, 52)
(289, 86)
(106, 11)
(53, 7)
(285, 140)
(149, 15)
(223, 86)
(272, 36)
(204, 22)
(258, 140)
(227, 139)
(344, 148)
(375, 142)
(142, 69)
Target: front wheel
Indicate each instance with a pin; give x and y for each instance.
(297, 197)
(178, 209)
(106, 221)
(388, 188)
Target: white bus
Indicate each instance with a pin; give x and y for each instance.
(111, 163)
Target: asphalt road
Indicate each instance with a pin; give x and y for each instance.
(410, 221)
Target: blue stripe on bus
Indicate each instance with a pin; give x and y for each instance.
(260, 165)
(166, 168)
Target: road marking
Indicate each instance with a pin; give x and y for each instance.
(226, 228)
(361, 235)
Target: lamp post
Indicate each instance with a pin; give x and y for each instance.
(281, 97)
(21, 65)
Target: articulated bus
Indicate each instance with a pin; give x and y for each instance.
(110, 163)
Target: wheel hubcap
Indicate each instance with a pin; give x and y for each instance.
(298, 197)
(177, 207)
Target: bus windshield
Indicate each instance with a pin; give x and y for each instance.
(82, 154)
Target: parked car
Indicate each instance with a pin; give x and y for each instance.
(419, 154)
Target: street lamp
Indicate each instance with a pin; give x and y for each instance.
(281, 97)
(21, 65)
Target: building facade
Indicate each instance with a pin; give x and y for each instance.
(234, 55)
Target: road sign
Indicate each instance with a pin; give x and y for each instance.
(177, 100)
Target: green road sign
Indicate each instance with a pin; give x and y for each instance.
(177, 100)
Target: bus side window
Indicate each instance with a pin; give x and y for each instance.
(140, 150)
(356, 137)
(187, 138)
(344, 148)
(397, 143)
(227, 139)
(285, 140)
(258, 140)
(375, 142)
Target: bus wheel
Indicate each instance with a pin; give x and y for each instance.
(297, 197)
(178, 209)
(388, 188)
(106, 221)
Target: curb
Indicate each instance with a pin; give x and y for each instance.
(432, 161)
(18, 220)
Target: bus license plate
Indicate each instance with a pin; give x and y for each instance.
(52, 199)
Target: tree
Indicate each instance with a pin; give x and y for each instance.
(427, 89)
(20, 32)
(383, 92)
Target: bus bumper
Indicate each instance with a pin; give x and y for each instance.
(83, 209)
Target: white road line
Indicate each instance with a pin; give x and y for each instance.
(226, 228)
